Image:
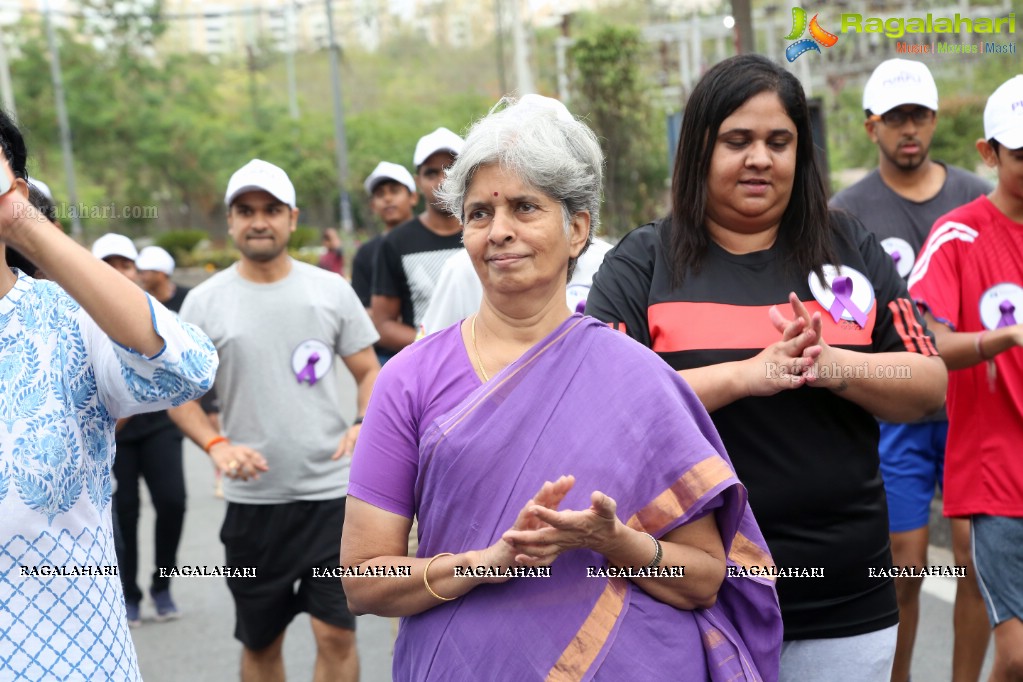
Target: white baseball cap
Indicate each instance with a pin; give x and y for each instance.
(386, 170)
(112, 244)
(900, 81)
(41, 186)
(155, 258)
(1003, 114)
(440, 140)
(260, 175)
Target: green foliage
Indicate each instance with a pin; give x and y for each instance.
(212, 259)
(305, 255)
(304, 237)
(180, 243)
(168, 132)
(615, 98)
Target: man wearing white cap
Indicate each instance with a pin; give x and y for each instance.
(119, 252)
(899, 202)
(411, 256)
(155, 268)
(969, 280)
(149, 447)
(392, 197)
(285, 449)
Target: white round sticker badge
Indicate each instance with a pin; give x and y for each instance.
(1002, 306)
(902, 254)
(311, 360)
(847, 295)
(577, 295)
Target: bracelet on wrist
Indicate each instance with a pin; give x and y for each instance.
(977, 340)
(658, 552)
(357, 421)
(427, 582)
(214, 441)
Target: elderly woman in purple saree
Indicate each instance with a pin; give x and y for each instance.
(524, 570)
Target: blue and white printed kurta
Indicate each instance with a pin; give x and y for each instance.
(63, 384)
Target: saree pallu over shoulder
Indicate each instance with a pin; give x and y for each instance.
(590, 402)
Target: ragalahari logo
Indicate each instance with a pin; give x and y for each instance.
(818, 36)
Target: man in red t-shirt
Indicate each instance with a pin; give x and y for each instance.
(969, 280)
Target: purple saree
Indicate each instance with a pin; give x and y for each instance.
(591, 402)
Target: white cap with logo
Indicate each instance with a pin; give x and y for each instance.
(260, 175)
(155, 258)
(900, 81)
(440, 140)
(1003, 114)
(112, 244)
(386, 170)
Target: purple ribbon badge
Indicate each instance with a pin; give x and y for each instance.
(896, 257)
(842, 287)
(1007, 309)
(308, 373)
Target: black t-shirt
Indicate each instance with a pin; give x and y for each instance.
(808, 457)
(362, 269)
(147, 423)
(408, 264)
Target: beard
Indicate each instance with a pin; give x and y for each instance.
(907, 162)
(261, 252)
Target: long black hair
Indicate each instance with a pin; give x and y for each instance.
(13, 145)
(805, 229)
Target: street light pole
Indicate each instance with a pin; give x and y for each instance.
(6, 91)
(340, 145)
(62, 120)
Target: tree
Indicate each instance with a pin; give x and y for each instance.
(615, 96)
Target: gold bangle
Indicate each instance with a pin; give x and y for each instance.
(427, 582)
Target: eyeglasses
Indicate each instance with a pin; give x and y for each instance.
(898, 117)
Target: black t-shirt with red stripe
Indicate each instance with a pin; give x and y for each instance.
(808, 456)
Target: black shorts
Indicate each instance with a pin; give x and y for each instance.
(284, 543)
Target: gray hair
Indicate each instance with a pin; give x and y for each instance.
(544, 145)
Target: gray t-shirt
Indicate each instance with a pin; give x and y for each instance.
(268, 337)
(902, 225)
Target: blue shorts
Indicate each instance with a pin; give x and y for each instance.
(912, 465)
(997, 556)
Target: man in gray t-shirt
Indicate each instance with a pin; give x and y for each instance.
(900, 202)
(279, 326)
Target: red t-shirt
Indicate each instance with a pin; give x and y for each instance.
(970, 276)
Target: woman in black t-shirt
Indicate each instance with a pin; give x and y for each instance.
(795, 330)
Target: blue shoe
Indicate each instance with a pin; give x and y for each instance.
(166, 609)
(134, 617)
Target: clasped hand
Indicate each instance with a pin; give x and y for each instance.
(791, 362)
(541, 533)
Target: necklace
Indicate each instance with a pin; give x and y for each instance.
(476, 350)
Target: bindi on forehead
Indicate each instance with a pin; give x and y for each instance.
(495, 194)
